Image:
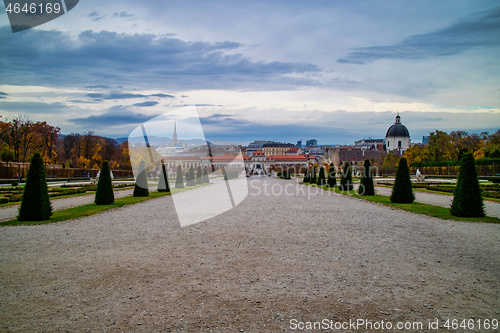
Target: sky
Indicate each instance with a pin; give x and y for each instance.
(336, 71)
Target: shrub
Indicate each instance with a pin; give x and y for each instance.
(35, 205)
(313, 179)
(199, 176)
(3, 200)
(15, 198)
(402, 192)
(366, 186)
(346, 178)
(190, 178)
(467, 200)
(15, 184)
(321, 177)
(307, 176)
(179, 181)
(332, 180)
(141, 182)
(205, 176)
(104, 194)
(163, 185)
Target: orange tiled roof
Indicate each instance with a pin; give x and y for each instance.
(288, 158)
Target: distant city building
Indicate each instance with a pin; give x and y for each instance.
(376, 144)
(276, 148)
(397, 136)
(311, 143)
(355, 156)
(425, 140)
(299, 143)
(174, 137)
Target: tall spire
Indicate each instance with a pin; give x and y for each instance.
(174, 137)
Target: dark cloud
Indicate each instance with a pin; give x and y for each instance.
(55, 58)
(84, 102)
(2, 97)
(97, 86)
(114, 116)
(481, 30)
(162, 95)
(116, 95)
(33, 107)
(95, 16)
(3, 94)
(95, 95)
(145, 104)
(123, 15)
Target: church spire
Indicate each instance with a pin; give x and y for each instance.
(174, 137)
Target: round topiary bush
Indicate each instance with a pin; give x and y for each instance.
(366, 186)
(35, 203)
(104, 194)
(402, 192)
(163, 185)
(467, 200)
(332, 180)
(141, 182)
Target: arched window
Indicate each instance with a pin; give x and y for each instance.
(388, 145)
(399, 143)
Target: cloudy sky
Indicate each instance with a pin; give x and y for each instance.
(284, 70)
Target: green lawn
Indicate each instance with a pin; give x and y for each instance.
(91, 209)
(416, 207)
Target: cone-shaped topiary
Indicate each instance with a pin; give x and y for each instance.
(307, 177)
(179, 181)
(402, 192)
(332, 181)
(321, 177)
(346, 178)
(199, 176)
(104, 194)
(35, 204)
(366, 186)
(467, 200)
(205, 176)
(313, 180)
(163, 185)
(141, 182)
(287, 174)
(191, 181)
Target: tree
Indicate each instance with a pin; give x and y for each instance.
(346, 178)
(321, 177)
(199, 176)
(332, 180)
(69, 143)
(366, 186)
(104, 194)
(179, 181)
(307, 177)
(141, 182)
(7, 155)
(50, 137)
(467, 200)
(35, 204)
(402, 192)
(163, 185)
(313, 178)
(206, 180)
(191, 181)
(391, 160)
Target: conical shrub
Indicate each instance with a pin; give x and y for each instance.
(104, 194)
(287, 174)
(346, 178)
(35, 203)
(307, 177)
(332, 180)
(163, 185)
(141, 182)
(191, 181)
(467, 200)
(321, 177)
(366, 186)
(314, 180)
(206, 180)
(402, 192)
(179, 180)
(199, 176)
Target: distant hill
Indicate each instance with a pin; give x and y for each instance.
(160, 140)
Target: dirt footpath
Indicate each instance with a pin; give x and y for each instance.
(304, 257)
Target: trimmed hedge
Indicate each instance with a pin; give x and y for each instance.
(179, 180)
(163, 185)
(141, 183)
(346, 178)
(206, 180)
(321, 177)
(366, 186)
(104, 194)
(467, 200)
(482, 161)
(402, 192)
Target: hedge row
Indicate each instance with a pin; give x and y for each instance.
(482, 161)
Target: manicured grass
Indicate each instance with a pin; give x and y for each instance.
(91, 209)
(416, 207)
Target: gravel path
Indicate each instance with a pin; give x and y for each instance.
(492, 208)
(10, 212)
(309, 255)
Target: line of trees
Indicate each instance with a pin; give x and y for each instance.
(20, 138)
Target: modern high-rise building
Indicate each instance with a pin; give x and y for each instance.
(311, 143)
(299, 143)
